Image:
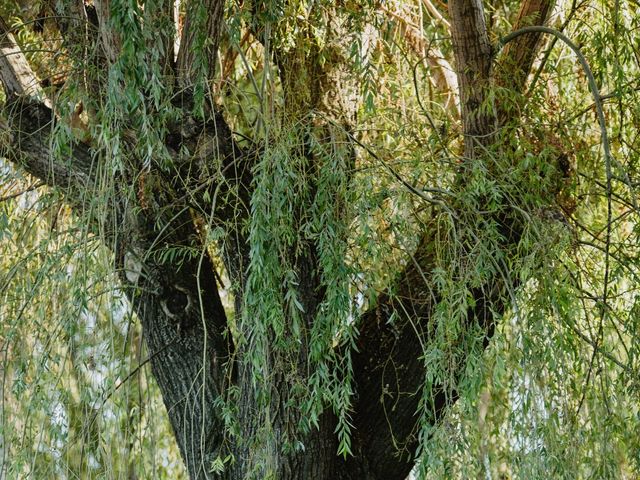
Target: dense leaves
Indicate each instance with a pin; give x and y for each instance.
(368, 270)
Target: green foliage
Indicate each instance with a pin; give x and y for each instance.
(69, 340)
(555, 393)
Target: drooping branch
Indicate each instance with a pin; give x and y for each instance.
(390, 367)
(604, 137)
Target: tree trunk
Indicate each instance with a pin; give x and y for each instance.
(184, 324)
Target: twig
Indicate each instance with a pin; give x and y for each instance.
(120, 384)
(26, 190)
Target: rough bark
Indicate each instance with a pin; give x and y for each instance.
(184, 323)
(195, 47)
(321, 101)
(184, 326)
(110, 40)
(473, 60)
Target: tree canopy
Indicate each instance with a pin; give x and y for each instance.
(294, 239)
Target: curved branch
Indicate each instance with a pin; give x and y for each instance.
(595, 91)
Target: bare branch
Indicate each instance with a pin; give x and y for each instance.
(442, 77)
(435, 13)
(10, 196)
(15, 73)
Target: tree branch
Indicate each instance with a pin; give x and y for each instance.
(390, 369)
(16, 75)
(396, 333)
(473, 58)
(517, 58)
(442, 77)
(199, 41)
(30, 122)
(111, 42)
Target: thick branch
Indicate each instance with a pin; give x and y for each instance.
(29, 131)
(473, 58)
(78, 23)
(111, 42)
(30, 122)
(518, 56)
(15, 73)
(390, 367)
(390, 375)
(184, 323)
(199, 41)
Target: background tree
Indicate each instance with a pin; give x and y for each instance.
(357, 238)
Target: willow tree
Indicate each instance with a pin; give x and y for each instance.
(359, 237)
